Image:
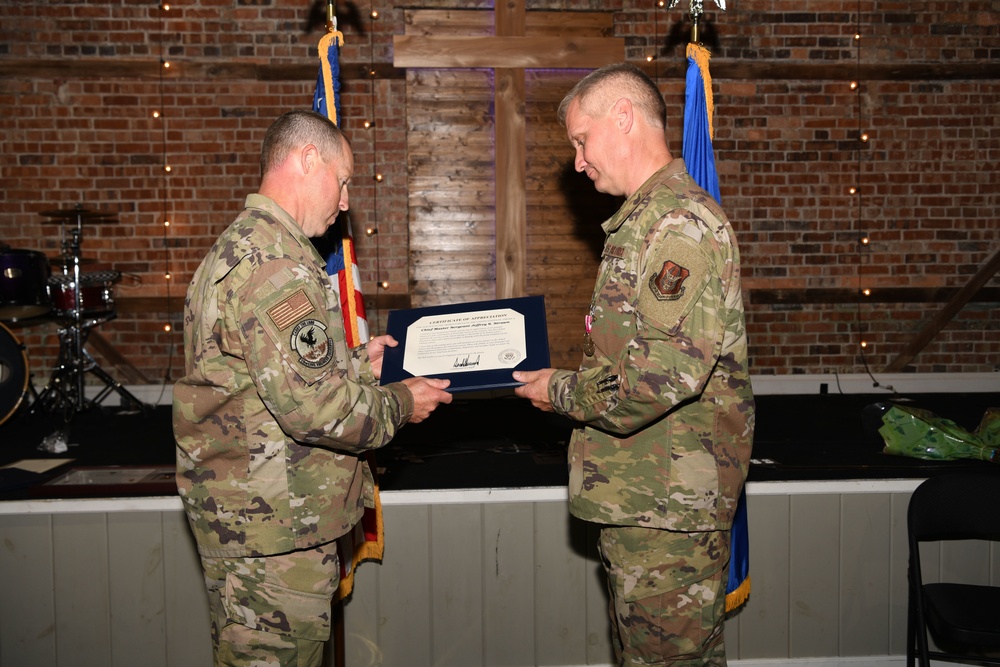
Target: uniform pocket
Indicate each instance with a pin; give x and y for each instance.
(292, 599)
(643, 562)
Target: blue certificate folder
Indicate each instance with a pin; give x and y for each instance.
(462, 342)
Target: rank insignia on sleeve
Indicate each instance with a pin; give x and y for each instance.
(668, 284)
(290, 310)
(314, 347)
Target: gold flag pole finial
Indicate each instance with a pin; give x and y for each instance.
(331, 16)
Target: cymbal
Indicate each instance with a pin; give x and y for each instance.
(79, 214)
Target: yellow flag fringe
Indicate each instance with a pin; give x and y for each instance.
(324, 61)
(701, 55)
(736, 598)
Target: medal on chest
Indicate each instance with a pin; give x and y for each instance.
(588, 342)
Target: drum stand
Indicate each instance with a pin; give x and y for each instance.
(64, 395)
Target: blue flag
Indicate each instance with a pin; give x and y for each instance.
(699, 158)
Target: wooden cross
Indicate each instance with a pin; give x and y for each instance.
(508, 53)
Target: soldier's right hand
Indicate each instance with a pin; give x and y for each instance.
(428, 393)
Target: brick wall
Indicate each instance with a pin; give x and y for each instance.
(79, 83)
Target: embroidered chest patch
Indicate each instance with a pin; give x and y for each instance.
(668, 284)
(309, 340)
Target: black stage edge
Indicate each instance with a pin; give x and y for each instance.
(505, 443)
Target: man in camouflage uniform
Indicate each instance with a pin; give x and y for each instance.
(274, 409)
(663, 393)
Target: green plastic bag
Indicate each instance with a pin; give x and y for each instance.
(922, 434)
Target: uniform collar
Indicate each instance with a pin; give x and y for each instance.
(673, 168)
(268, 205)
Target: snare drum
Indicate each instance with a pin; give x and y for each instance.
(96, 294)
(23, 277)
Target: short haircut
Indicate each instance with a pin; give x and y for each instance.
(298, 128)
(599, 90)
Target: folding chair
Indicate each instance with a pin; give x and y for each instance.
(962, 618)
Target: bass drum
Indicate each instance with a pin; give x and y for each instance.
(13, 373)
(23, 278)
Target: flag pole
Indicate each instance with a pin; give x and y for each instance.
(337, 633)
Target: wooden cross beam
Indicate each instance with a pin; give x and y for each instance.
(946, 314)
(512, 49)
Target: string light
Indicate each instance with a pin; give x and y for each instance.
(864, 240)
(372, 230)
(159, 114)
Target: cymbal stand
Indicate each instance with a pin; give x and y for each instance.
(64, 395)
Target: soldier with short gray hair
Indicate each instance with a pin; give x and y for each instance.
(275, 412)
(663, 394)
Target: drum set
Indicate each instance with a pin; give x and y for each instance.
(32, 292)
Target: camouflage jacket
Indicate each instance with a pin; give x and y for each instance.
(665, 401)
(273, 409)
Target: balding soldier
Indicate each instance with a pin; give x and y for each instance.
(274, 411)
(663, 392)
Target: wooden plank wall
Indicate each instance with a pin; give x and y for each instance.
(470, 583)
(451, 156)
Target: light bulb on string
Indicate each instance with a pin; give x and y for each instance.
(374, 15)
(371, 231)
(378, 178)
(167, 328)
(384, 284)
(156, 114)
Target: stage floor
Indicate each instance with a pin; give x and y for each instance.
(505, 443)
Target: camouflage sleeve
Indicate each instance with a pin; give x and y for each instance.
(362, 364)
(676, 337)
(299, 364)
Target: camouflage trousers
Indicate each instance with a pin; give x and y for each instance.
(668, 595)
(272, 611)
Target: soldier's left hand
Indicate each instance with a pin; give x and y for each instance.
(376, 349)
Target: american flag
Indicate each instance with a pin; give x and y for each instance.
(365, 542)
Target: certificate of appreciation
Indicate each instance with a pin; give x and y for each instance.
(475, 345)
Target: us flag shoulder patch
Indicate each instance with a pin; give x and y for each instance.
(291, 310)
